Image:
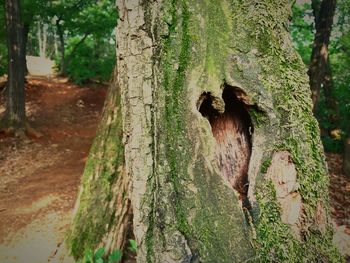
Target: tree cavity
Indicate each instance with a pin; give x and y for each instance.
(232, 128)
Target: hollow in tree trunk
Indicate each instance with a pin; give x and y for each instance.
(208, 150)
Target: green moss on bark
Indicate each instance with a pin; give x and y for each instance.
(283, 75)
(243, 43)
(194, 214)
(174, 124)
(94, 217)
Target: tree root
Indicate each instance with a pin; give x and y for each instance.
(23, 131)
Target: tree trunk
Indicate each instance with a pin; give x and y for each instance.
(14, 117)
(212, 146)
(42, 39)
(318, 68)
(333, 112)
(45, 26)
(346, 161)
(55, 44)
(26, 28)
(62, 48)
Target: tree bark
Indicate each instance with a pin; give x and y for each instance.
(106, 185)
(62, 48)
(26, 28)
(14, 117)
(42, 39)
(346, 161)
(323, 13)
(213, 140)
(333, 112)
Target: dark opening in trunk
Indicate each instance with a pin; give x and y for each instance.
(232, 130)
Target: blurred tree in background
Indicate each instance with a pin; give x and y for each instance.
(3, 48)
(334, 129)
(77, 34)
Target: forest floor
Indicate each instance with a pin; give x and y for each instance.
(39, 177)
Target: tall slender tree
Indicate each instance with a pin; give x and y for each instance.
(346, 163)
(14, 118)
(208, 150)
(319, 69)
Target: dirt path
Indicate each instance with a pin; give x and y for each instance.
(339, 191)
(39, 178)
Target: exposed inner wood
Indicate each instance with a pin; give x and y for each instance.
(231, 130)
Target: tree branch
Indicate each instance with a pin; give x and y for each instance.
(76, 47)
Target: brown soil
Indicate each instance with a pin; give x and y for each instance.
(339, 191)
(39, 178)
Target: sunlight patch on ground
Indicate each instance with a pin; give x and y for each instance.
(341, 240)
(35, 244)
(38, 66)
(37, 205)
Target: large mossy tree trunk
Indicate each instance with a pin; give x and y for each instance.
(212, 150)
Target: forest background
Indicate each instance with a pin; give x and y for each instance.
(79, 36)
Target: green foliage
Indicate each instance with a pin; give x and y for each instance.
(133, 245)
(98, 19)
(98, 256)
(90, 50)
(93, 59)
(302, 30)
(3, 58)
(115, 256)
(90, 257)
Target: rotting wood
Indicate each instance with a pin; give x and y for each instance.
(232, 131)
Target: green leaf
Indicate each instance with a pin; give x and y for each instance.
(115, 256)
(99, 260)
(133, 245)
(99, 253)
(89, 256)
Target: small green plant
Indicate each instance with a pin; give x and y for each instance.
(90, 257)
(115, 256)
(133, 245)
